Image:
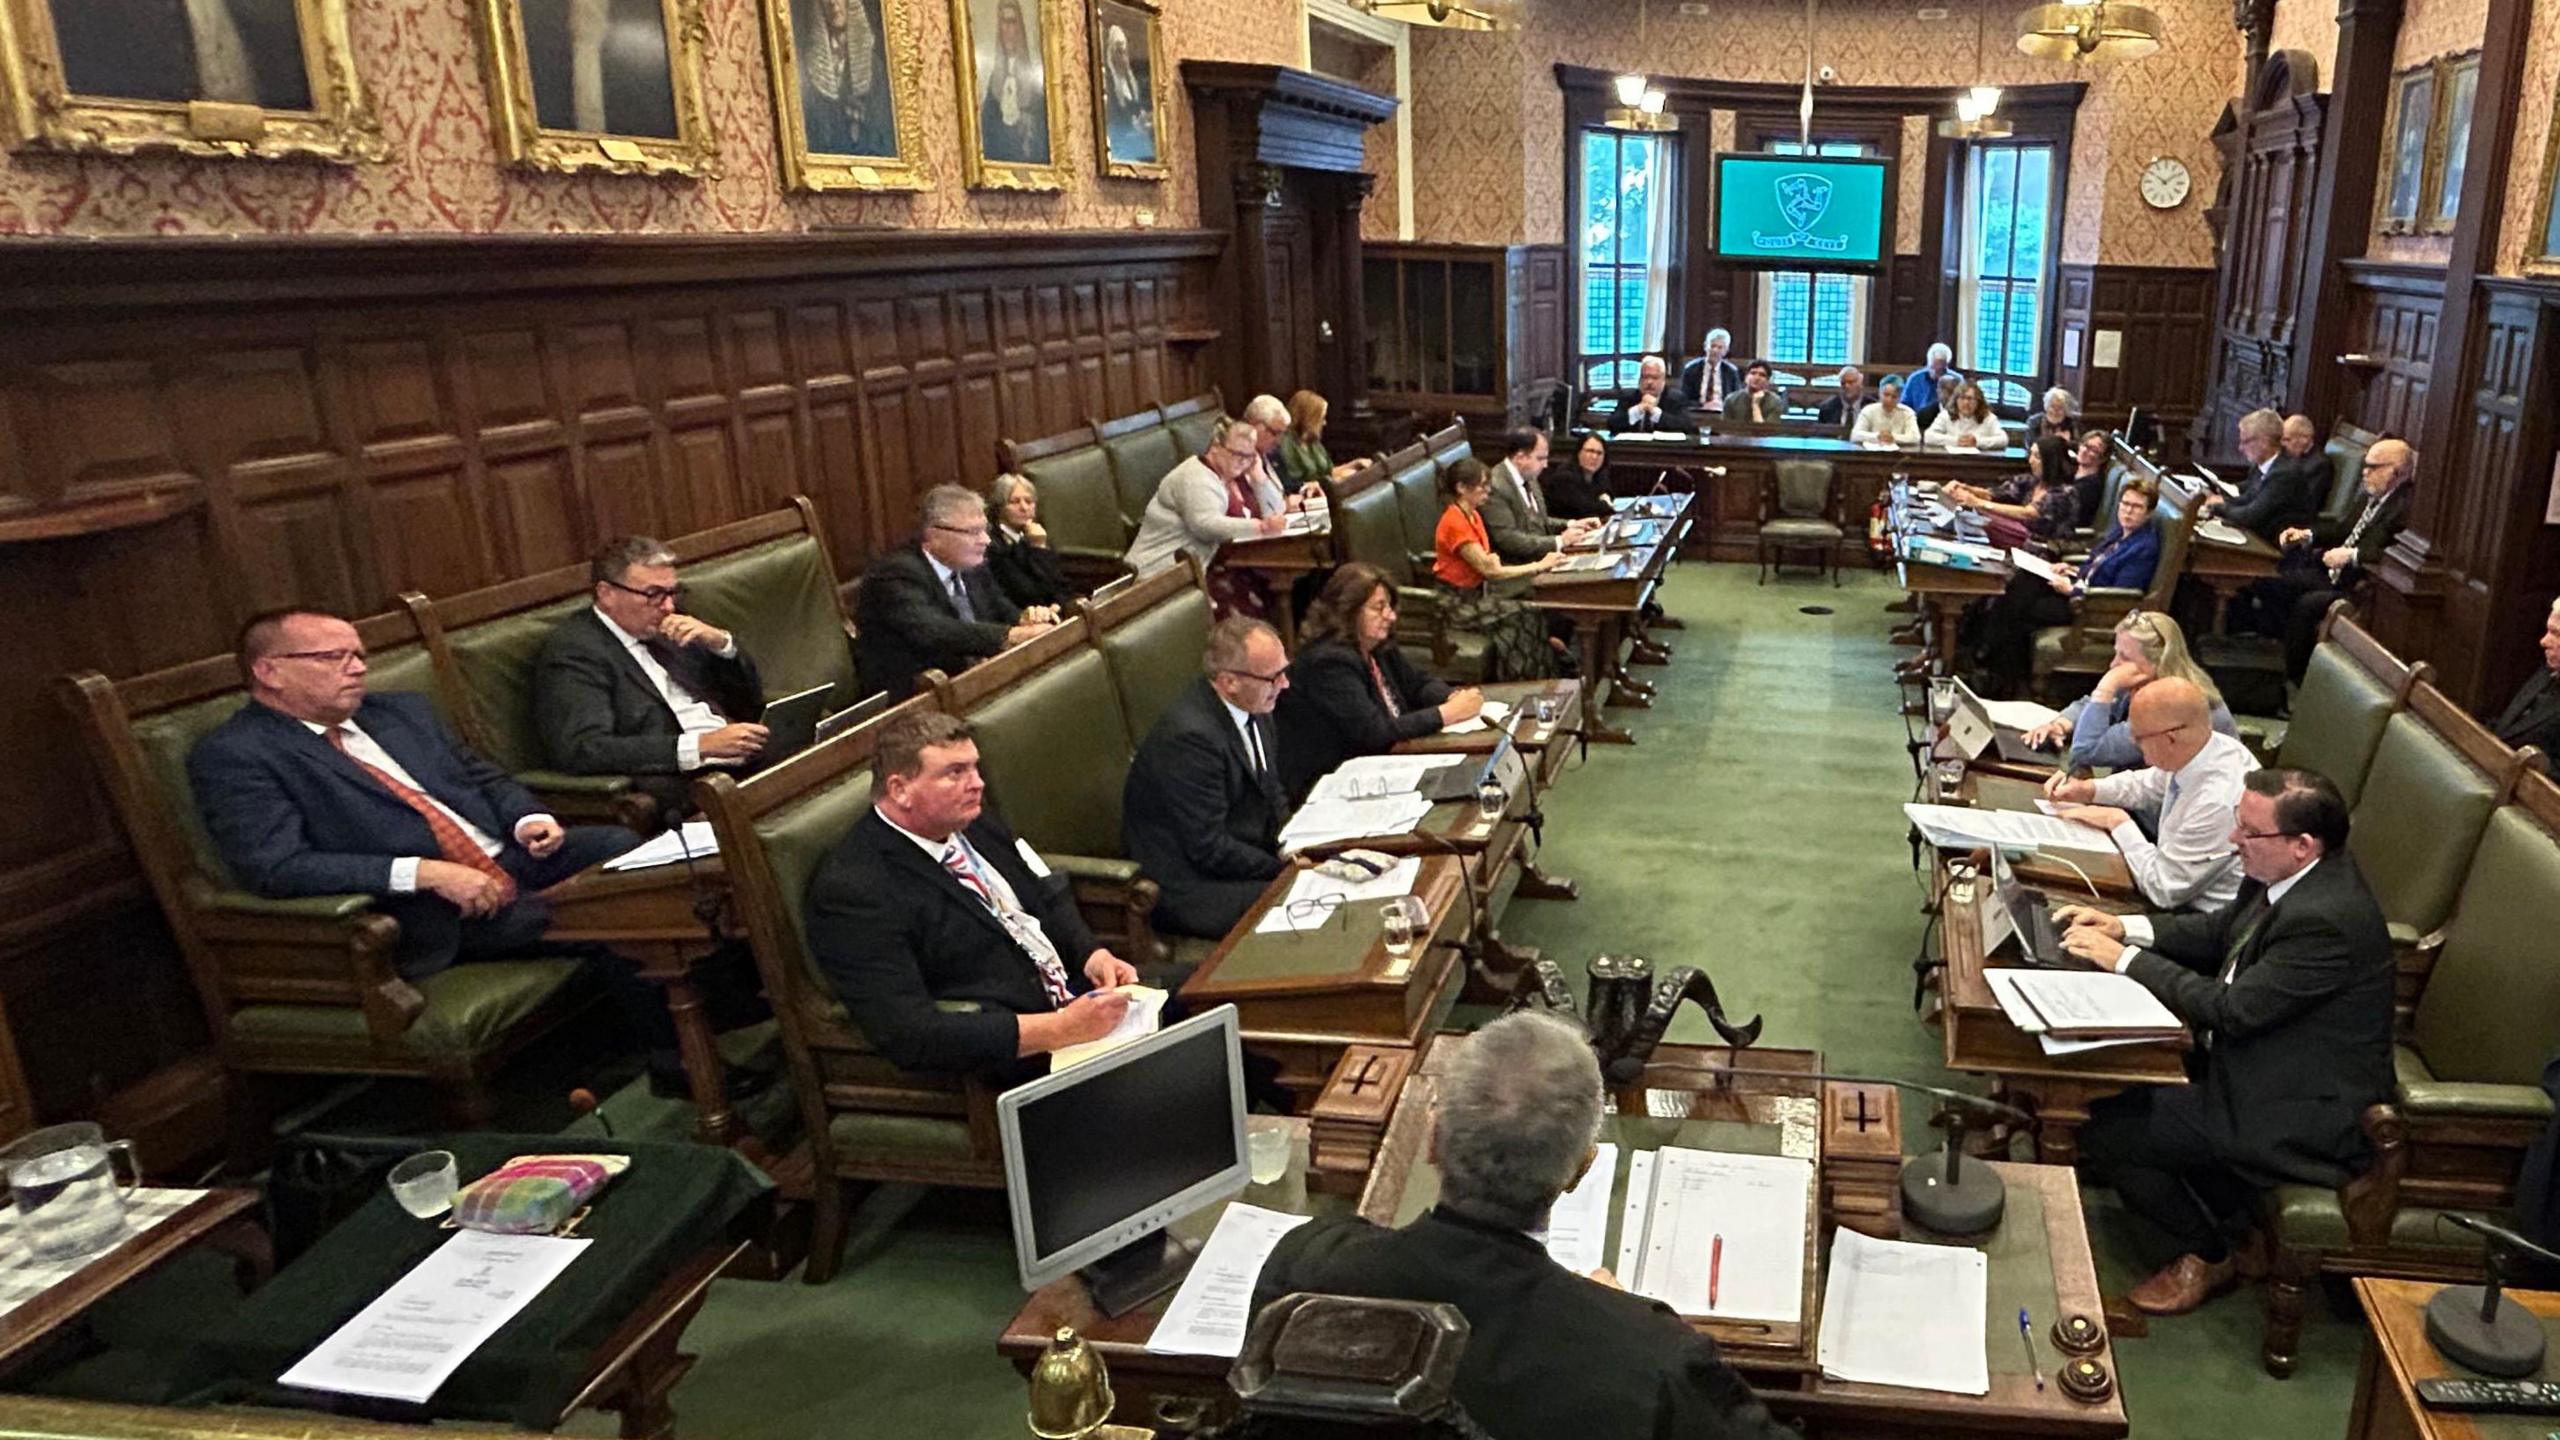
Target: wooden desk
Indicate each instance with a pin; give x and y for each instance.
(2103, 866)
(1280, 560)
(1548, 742)
(2227, 570)
(203, 1219)
(1732, 520)
(650, 918)
(2397, 1356)
(1605, 605)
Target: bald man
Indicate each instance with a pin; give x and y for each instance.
(2329, 558)
(2192, 778)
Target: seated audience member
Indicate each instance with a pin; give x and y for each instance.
(1480, 594)
(317, 788)
(1760, 402)
(1888, 418)
(2326, 560)
(2277, 495)
(1965, 421)
(1646, 408)
(2125, 558)
(1842, 409)
(1215, 497)
(2089, 474)
(1706, 382)
(2192, 781)
(1303, 459)
(1515, 509)
(1351, 690)
(1514, 1124)
(2300, 440)
(629, 686)
(1026, 570)
(1580, 491)
(2288, 989)
(2098, 727)
(2059, 418)
(929, 899)
(1270, 421)
(1929, 387)
(933, 605)
(1203, 803)
(2041, 505)
(2533, 716)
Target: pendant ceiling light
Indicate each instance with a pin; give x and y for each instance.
(1640, 101)
(1975, 117)
(2103, 30)
(1450, 14)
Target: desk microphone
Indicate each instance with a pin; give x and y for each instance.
(2467, 1323)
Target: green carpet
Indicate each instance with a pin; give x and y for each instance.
(1754, 830)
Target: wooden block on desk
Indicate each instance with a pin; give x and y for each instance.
(1350, 1116)
(1862, 1157)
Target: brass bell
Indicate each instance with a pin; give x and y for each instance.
(1070, 1389)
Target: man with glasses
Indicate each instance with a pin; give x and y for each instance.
(316, 787)
(2289, 992)
(2191, 781)
(1202, 807)
(632, 686)
(933, 605)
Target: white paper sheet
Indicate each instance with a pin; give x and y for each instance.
(418, 1332)
(1312, 885)
(1895, 1313)
(1209, 1313)
(1629, 1256)
(2069, 1001)
(2221, 532)
(669, 848)
(1578, 1226)
(1490, 717)
(1371, 776)
(2031, 562)
(1323, 822)
(1961, 827)
(1755, 1205)
(1145, 1013)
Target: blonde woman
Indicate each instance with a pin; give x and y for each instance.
(1966, 422)
(2149, 646)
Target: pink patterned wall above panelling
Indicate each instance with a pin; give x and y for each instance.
(421, 59)
(2520, 231)
(2310, 26)
(2429, 28)
(1912, 179)
(1467, 181)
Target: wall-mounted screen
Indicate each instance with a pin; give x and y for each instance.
(1800, 212)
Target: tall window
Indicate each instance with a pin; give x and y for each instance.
(1809, 320)
(1620, 178)
(2008, 234)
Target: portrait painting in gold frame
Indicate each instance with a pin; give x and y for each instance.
(846, 82)
(2405, 158)
(258, 79)
(609, 85)
(1131, 114)
(1012, 113)
(2449, 146)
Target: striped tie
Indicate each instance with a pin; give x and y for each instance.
(451, 843)
(1034, 941)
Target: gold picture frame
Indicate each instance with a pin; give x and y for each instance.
(1132, 108)
(2449, 144)
(2400, 195)
(826, 80)
(2542, 247)
(552, 115)
(289, 90)
(1026, 159)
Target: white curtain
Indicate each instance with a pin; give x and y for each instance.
(1657, 272)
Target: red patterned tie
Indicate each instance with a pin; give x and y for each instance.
(1044, 956)
(452, 844)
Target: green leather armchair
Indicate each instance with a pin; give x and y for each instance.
(2087, 644)
(1799, 511)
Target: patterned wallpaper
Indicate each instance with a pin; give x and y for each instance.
(1913, 181)
(1373, 68)
(2310, 26)
(421, 60)
(2164, 105)
(2520, 233)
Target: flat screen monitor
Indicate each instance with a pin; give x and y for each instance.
(1101, 1157)
(1800, 212)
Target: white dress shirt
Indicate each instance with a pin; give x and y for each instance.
(1902, 428)
(1253, 747)
(2137, 928)
(1017, 921)
(404, 869)
(2193, 863)
(694, 717)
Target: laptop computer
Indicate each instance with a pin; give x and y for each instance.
(1444, 783)
(852, 715)
(1972, 728)
(791, 723)
(2030, 914)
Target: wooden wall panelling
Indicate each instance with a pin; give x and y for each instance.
(2265, 245)
(2390, 340)
(2165, 318)
(330, 422)
(2339, 214)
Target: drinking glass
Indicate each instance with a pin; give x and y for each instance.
(1400, 920)
(1546, 709)
(1950, 776)
(1266, 1147)
(1491, 800)
(63, 1180)
(424, 1183)
(1942, 698)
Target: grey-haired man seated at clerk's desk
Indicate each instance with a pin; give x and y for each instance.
(1550, 1353)
(2289, 992)
(2192, 781)
(934, 605)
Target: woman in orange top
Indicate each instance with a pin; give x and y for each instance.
(1480, 594)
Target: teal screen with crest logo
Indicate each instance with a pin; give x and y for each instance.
(1800, 211)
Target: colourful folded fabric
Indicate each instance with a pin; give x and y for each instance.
(533, 1195)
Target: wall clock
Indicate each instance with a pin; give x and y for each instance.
(2165, 183)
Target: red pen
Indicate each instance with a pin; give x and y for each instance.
(1715, 1270)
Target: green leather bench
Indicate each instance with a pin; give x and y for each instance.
(1079, 502)
(2349, 692)
(1194, 422)
(2421, 810)
(1141, 451)
(1449, 445)
(1370, 524)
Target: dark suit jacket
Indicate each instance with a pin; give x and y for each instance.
(1332, 711)
(893, 932)
(2300, 1040)
(2291, 494)
(1196, 817)
(599, 713)
(1028, 574)
(908, 625)
(2533, 716)
(1549, 1353)
(1842, 410)
(1673, 418)
(1571, 495)
(1693, 381)
(2330, 532)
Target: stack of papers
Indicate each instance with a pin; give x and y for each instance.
(1489, 718)
(1329, 821)
(1209, 1313)
(692, 840)
(1141, 1019)
(2221, 532)
(417, 1333)
(1318, 888)
(1895, 1313)
(1371, 776)
(1307, 522)
(2083, 1005)
(1590, 563)
(1709, 1233)
(1960, 827)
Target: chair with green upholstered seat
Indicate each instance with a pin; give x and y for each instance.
(1415, 477)
(2467, 1099)
(1449, 445)
(864, 1118)
(1141, 451)
(1800, 511)
(2349, 692)
(1154, 634)
(1079, 502)
(300, 986)
(2346, 449)
(2086, 646)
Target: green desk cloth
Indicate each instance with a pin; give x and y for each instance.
(673, 1202)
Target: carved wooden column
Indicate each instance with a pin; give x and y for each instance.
(2341, 216)
(1342, 337)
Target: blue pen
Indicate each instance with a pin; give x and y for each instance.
(2027, 1339)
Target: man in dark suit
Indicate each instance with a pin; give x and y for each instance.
(316, 788)
(1646, 409)
(2329, 559)
(1707, 381)
(1549, 1352)
(629, 686)
(1202, 807)
(928, 899)
(1841, 410)
(1516, 518)
(2279, 493)
(2533, 716)
(2314, 470)
(932, 605)
(2288, 990)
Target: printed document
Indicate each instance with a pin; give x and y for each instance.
(1371, 776)
(1578, 1226)
(1725, 1235)
(2031, 562)
(2090, 1004)
(1323, 892)
(1323, 822)
(1895, 1313)
(1209, 1313)
(1145, 1012)
(1489, 718)
(1961, 827)
(418, 1332)
(671, 847)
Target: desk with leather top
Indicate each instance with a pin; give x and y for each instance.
(1280, 560)
(1548, 742)
(2228, 569)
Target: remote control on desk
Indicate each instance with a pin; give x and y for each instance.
(2509, 1397)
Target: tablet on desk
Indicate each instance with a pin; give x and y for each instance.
(791, 723)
